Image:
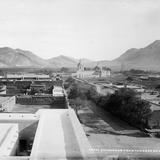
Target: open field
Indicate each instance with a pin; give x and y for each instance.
(107, 132)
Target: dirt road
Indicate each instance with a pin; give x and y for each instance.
(110, 135)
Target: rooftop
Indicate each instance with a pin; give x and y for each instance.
(18, 116)
(59, 135)
(8, 138)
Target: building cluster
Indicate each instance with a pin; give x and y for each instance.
(25, 76)
(150, 96)
(52, 133)
(96, 72)
(58, 91)
(43, 135)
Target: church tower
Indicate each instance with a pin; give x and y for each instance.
(80, 66)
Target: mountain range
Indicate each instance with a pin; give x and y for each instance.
(147, 58)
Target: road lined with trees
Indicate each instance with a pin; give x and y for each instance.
(124, 103)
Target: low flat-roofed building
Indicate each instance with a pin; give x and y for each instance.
(58, 91)
(26, 76)
(23, 120)
(8, 139)
(38, 87)
(58, 135)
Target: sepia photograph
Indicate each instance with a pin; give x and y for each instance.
(79, 79)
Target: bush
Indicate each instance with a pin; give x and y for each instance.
(123, 103)
(73, 91)
(157, 135)
(83, 91)
(126, 105)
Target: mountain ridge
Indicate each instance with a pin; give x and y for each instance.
(146, 58)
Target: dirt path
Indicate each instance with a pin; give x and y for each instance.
(107, 132)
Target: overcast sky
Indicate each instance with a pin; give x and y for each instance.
(94, 29)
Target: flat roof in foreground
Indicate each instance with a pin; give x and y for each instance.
(8, 138)
(60, 136)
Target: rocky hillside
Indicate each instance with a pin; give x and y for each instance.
(19, 58)
(147, 58)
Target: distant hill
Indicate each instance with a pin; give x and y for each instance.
(63, 61)
(147, 58)
(19, 58)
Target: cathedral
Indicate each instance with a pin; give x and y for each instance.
(96, 72)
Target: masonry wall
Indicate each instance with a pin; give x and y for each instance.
(34, 100)
(39, 100)
(13, 90)
(22, 84)
(19, 87)
(48, 84)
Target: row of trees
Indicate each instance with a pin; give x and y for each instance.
(78, 93)
(124, 103)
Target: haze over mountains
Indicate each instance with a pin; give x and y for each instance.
(147, 58)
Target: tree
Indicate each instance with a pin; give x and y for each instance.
(158, 87)
(127, 105)
(129, 79)
(64, 69)
(70, 80)
(73, 91)
(92, 95)
(32, 92)
(76, 104)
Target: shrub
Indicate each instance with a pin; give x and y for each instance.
(126, 105)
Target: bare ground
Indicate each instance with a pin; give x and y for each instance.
(106, 132)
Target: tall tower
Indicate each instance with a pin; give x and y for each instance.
(80, 66)
(80, 70)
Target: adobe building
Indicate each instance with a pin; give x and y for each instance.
(26, 76)
(58, 91)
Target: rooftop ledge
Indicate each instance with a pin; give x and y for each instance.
(59, 135)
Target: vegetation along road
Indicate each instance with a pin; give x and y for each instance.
(106, 132)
